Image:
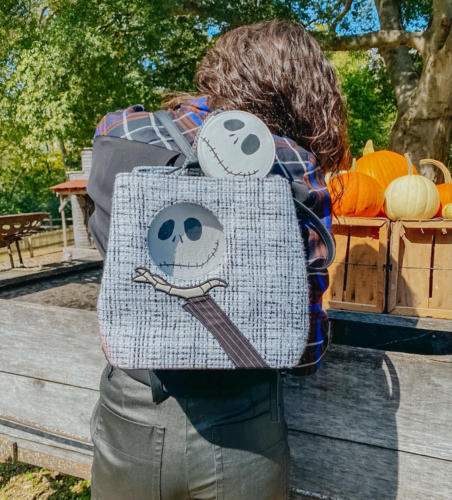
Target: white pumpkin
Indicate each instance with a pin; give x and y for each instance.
(446, 212)
(411, 197)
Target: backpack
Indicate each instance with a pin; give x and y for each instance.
(205, 266)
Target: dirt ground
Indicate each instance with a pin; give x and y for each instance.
(52, 255)
(26, 482)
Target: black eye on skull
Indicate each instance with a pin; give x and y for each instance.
(192, 226)
(166, 229)
(250, 144)
(193, 229)
(233, 125)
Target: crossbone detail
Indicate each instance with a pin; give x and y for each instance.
(161, 285)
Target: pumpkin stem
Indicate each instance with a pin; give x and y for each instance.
(354, 165)
(441, 166)
(409, 163)
(368, 148)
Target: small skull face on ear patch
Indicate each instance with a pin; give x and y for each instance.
(236, 144)
(186, 241)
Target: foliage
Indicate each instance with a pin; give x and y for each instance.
(64, 64)
(371, 105)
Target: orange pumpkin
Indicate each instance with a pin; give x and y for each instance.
(384, 166)
(355, 195)
(444, 190)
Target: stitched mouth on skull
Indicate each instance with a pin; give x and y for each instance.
(228, 170)
(186, 241)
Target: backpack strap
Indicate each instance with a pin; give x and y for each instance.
(178, 138)
(303, 212)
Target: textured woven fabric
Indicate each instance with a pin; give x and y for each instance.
(263, 263)
(293, 162)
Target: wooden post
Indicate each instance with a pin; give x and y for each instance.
(30, 246)
(21, 262)
(63, 203)
(10, 253)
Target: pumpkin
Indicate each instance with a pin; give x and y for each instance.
(444, 190)
(384, 166)
(446, 213)
(355, 195)
(411, 197)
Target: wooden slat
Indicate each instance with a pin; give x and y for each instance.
(423, 312)
(337, 269)
(392, 400)
(442, 274)
(360, 221)
(437, 224)
(56, 408)
(42, 455)
(349, 306)
(414, 268)
(392, 320)
(343, 470)
(394, 251)
(55, 344)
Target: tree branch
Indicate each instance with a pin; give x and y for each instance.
(341, 15)
(377, 39)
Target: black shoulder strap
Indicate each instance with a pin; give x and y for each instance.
(178, 138)
(303, 212)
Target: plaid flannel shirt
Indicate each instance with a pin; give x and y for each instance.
(291, 161)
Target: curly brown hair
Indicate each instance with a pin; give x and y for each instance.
(278, 72)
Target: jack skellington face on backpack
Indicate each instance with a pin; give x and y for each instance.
(185, 240)
(235, 144)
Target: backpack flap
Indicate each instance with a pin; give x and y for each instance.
(203, 273)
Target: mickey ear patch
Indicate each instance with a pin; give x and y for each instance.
(236, 144)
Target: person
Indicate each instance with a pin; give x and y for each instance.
(213, 434)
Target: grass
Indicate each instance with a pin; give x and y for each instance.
(26, 482)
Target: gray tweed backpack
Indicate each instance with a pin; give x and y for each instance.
(207, 271)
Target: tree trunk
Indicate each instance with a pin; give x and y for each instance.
(424, 127)
(424, 122)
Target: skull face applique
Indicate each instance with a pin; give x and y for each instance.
(236, 144)
(186, 241)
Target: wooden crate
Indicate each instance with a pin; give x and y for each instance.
(357, 276)
(420, 280)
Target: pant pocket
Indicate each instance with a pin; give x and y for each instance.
(127, 458)
(252, 459)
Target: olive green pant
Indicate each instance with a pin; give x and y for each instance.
(228, 448)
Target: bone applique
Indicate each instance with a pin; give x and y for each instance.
(161, 285)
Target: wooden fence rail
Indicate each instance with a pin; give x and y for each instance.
(41, 240)
(371, 425)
